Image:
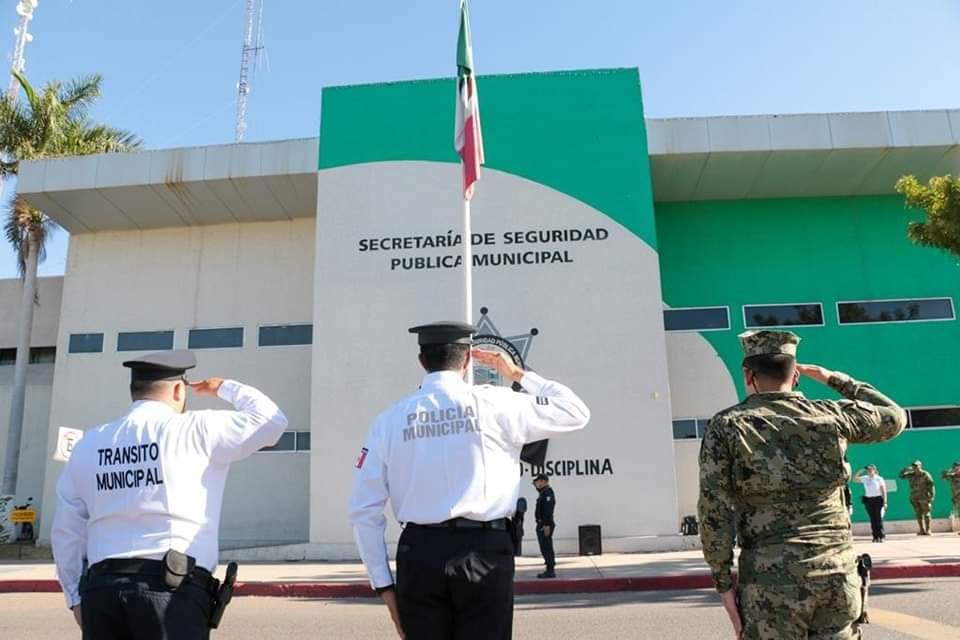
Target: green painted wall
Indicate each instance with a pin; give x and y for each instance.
(826, 250)
(541, 126)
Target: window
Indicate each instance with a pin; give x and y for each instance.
(895, 310)
(145, 341)
(782, 315)
(935, 417)
(8, 357)
(85, 343)
(689, 428)
(303, 441)
(286, 334)
(699, 319)
(291, 441)
(215, 338)
(40, 355)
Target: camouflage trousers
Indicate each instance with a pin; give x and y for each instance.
(821, 609)
(921, 506)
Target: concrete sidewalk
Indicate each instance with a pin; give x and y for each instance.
(902, 556)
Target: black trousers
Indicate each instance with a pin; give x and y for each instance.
(546, 546)
(139, 607)
(874, 507)
(455, 584)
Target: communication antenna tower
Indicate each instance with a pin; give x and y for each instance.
(25, 10)
(252, 45)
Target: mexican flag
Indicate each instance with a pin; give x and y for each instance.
(467, 139)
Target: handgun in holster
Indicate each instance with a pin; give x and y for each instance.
(864, 565)
(224, 595)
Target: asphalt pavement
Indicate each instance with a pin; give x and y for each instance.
(901, 610)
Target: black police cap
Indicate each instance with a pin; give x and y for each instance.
(162, 365)
(542, 476)
(446, 332)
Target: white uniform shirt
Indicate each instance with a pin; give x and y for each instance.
(153, 481)
(451, 450)
(872, 485)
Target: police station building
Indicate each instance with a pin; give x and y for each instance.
(616, 254)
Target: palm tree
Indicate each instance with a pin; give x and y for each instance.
(50, 123)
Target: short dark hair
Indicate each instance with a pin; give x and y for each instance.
(775, 367)
(140, 389)
(443, 357)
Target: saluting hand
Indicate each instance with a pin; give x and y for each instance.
(207, 387)
(815, 372)
(499, 361)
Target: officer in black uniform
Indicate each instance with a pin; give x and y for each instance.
(546, 502)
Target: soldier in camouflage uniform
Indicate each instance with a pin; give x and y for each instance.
(953, 477)
(922, 493)
(772, 468)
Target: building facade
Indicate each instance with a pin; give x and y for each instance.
(255, 258)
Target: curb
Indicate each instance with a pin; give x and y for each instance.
(521, 587)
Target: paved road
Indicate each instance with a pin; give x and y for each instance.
(908, 610)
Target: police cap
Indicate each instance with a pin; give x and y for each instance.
(162, 365)
(541, 476)
(445, 332)
(766, 343)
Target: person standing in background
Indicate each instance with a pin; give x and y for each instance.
(922, 493)
(953, 477)
(874, 498)
(546, 503)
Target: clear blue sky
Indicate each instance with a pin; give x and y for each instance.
(170, 68)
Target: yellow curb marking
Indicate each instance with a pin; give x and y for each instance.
(912, 625)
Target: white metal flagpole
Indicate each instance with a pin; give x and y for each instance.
(467, 273)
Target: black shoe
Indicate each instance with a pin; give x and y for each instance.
(549, 573)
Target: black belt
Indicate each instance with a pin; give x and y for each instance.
(146, 567)
(501, 524)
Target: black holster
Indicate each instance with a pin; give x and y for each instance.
(864, 565)
(224, 595)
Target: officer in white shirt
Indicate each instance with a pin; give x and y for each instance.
(448, 459)
(874, 498)
(140, 501)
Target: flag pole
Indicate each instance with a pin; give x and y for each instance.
(467, 273)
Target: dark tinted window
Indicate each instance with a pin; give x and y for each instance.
(215, 338)
(85, 343)
(287, 334)
(895, 311)
(287, 442)
(8, 356)
(42, 354)
(782, 315)
(942, 417)
(696, 319)
(303, 441)
(684, 429)
(145, 341)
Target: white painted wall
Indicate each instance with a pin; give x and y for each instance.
(228, 275)
(33, 446)
(600, 322)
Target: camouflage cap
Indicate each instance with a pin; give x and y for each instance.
(917, 463)
(763, 343)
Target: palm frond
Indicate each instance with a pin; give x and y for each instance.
(80, 93)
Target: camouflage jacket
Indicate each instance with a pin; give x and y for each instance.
(953, 477)
(772, 471)
(921, 483)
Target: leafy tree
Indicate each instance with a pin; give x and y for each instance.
(939, 199)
